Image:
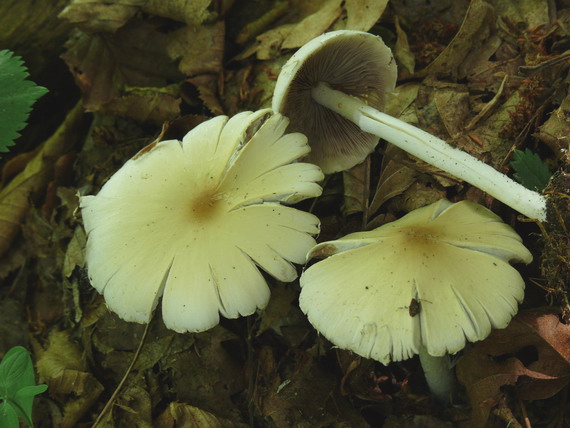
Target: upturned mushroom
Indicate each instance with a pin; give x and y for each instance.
(424, 284)
(190, 221)
(332, 88)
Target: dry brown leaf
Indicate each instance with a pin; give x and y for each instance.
(452, 103)
(402, 52)
(192, 12)
(95, 16)
(555, 132)
(207, 375)
(363, 14)
(154, 105)
(63, 368)
(201, 50)
(313, 25)
(135, 56)
(296, 392)
(530, 12)
(16, 196)
(394, 179)
(184, 415)
(356, 188)
(474, 30)
(535, 345)
(207, 85)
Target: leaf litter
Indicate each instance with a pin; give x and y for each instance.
(141, 64)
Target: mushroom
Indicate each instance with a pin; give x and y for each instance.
(332, 88)
(423, 284)
(192, 220)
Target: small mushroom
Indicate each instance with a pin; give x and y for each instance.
(332, 88)
(424, 284)
(190, 221)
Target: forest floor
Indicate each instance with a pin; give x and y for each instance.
(490, 77)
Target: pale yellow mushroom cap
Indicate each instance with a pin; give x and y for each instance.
(190, 221)
(450, 262)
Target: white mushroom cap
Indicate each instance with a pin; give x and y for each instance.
(355, 62)
(190, 221)
(451, 259)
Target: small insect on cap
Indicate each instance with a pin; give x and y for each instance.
(354, 62)
(433, 278)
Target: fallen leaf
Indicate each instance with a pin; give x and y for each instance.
(361, 15)
(356, 188)
(535, 345)
(94, 16)
(154, 105)
(192, 12)
(395, 178)
(62, 366)
(313, 25)
(207, 85)
(200, 50)
(104, 64)
(184, 415)
(15, 197)
(474, 30)
(555, 132)
(530, 12)
(402, 52)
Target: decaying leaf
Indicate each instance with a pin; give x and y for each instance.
(207, 85)
(201, 50)
(402, 50)
(363, 14)
(395, 178)
(301, 394)
(313, 19)
(184, 415)
(134, 56)
(63, 368)
(535, 345)
(154, 105)
(192, 12)
(15, 197)
(555, 132)
(356, 188)
(207, 375)
(474, 30)
(95, 16)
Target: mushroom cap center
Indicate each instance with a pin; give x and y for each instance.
(206, 205)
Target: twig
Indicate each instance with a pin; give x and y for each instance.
(123, 380)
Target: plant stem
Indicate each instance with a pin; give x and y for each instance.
(434, 151)
(439, 376)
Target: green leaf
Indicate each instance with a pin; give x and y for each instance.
(8, 416)
(530, 170)
(30, 391)
(17, 95)
(17, 384)
(15, 371)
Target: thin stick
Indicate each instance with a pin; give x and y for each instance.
(123, 380)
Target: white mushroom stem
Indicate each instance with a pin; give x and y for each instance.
(434, 151)
(439, 375)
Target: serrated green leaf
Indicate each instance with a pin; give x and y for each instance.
(17, 95)
(530, 170)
